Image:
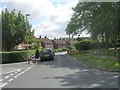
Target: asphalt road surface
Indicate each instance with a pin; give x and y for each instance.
(63, 72)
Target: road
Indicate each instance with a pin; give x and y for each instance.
(63, 72)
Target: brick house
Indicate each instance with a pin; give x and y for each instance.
(46, 43)
(59, 43)
(71, 41)
(23, 46)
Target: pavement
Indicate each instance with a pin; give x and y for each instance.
(63, 72)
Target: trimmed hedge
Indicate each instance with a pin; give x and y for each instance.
(16, 56)
(86, 45)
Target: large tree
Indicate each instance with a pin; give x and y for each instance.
(15, 29)
(100, 19)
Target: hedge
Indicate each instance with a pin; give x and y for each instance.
(86, 45)
(16, 56)
(60, 49)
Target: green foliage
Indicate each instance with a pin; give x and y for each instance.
(86, 45)
(16, 56)
(37, 45)
(60, 49)
(105, 63)
(79, 39)
(71, 47)
(99, 19)
(15, 29)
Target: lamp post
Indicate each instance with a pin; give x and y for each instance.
(26, 28)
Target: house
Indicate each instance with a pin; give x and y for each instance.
(58, 43)
(23, 46)
(46, 43)
(70, 41)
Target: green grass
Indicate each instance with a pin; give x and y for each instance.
(98, 62)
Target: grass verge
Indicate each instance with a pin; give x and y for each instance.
(103, 63)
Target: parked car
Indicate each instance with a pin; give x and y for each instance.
(47, 54)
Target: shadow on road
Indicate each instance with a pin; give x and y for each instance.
(79, 76)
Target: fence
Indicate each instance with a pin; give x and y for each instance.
(101, 52)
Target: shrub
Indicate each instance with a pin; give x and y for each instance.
(72, 52)
(86, 45)
(71, 47)
(60, 49)
(16, 56)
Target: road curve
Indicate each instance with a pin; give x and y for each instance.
(63, 72)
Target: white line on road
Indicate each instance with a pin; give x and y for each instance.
(1, 80)
(3, 84)
(29, 68)
(19, 70)
(16, 72)
(19, 74)
(11, 74)
(8, 72)
(11, 71)
(6, 77)
(26, 70)
(15, 76)
(10, 80)
(23, 72)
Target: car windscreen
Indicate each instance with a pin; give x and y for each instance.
(46, 51)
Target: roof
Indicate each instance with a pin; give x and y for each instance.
(60, 41)
(71, 40)
(46, 40)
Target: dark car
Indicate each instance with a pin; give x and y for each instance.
(47, 55)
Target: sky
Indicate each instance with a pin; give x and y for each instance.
(48, 17)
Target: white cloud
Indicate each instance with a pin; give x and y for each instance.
(49, 17)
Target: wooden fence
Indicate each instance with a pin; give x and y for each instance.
(101, 52)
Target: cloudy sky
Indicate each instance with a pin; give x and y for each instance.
(48, 17)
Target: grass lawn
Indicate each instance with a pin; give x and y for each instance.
(105, 63)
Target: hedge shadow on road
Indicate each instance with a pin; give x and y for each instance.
(82, 76)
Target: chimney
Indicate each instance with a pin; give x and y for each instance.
(45, 36)
(40, 36)
(54, 38)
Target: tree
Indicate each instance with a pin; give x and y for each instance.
(99, 19)
(15, 29)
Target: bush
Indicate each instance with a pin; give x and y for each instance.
(86, 45)
(72, 52)
(16, 56)
(71, 47)
(60, 49)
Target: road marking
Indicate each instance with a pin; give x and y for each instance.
(94, 85)
(8, 72)
(15, 71)
(19, 70)
(1, 80)
(15, 76)
(11, 74)
(11, 71)
(19, 74)
(10, 80)
(3, 84)
(22, 72)
(7, 77)
(26, 70)
(29, 68)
